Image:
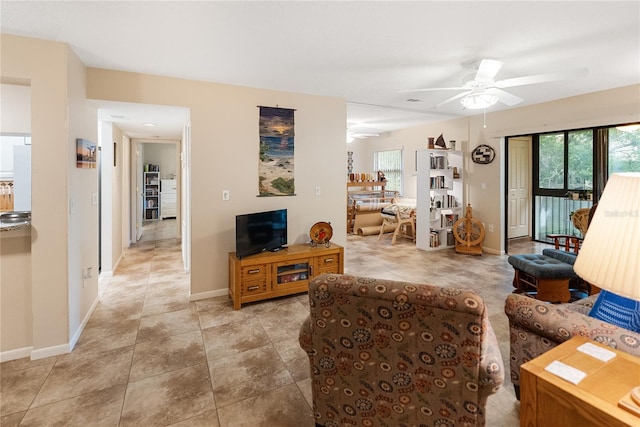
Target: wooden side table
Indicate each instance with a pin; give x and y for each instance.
(548, 400)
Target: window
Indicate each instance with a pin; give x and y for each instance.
(580, 160)
(551, 161)
(565, 161)
(390, 163)
(624, 150)
(564, 182)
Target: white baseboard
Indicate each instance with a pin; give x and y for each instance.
(115, 266)
(56, 350)
(40, 353)
(209, 294)
(109, 273)
(76, 336)
(18, 353)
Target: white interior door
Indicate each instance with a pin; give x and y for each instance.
(519, 185)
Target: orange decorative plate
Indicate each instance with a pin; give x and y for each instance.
(321, 233)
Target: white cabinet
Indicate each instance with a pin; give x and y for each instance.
(168, 205)
(151, 195)
(440, 197)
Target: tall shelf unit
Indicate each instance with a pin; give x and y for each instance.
(151, 195)
(440, 197)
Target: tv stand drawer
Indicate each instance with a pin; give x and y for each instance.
(253, 288)
(254, 273)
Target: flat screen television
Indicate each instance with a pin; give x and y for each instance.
(260, 231)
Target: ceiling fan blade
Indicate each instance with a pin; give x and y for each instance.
(431, 89)
(505, 97)
(488, 69)
(541, 78)
(453, 98)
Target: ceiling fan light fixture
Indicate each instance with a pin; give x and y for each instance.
(478, 101)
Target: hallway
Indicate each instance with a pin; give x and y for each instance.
(161, 229)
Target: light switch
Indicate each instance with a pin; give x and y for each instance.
(225, 195)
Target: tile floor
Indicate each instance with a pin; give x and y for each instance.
(150, 357)
(159, 230)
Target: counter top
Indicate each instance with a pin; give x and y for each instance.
(9, 226)
(12, 221)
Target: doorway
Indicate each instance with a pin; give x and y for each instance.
(518, 206)
(124, 128)
(160, 195)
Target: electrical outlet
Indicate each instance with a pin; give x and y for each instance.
(491, 228)
(225, 195)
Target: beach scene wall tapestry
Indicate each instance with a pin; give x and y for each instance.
(275, 168)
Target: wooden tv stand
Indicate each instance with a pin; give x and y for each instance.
(274, 274)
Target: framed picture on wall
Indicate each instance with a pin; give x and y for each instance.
(85, 154)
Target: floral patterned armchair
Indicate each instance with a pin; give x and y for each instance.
(536, 327)
(387, 353)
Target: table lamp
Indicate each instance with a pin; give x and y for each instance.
(610, 255)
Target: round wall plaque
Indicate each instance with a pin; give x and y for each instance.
(483, 154)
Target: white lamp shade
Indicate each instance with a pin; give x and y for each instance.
(610, 254)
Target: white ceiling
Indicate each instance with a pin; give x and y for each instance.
(364, 52)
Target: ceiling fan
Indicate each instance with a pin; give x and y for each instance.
(482, 90)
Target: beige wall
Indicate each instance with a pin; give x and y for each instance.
(44, 64)
(59, 299)
(164, 154)
(615, 106)
(16, 334)
(15, 107)
(83, 193)
(224, 156)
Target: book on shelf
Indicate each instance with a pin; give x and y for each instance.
(438, 162)
(434, 239)
(437, 182)
(443, 201)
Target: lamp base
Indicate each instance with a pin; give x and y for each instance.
(631, 401)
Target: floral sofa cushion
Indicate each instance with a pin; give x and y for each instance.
(536, 327)
(386, 353)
